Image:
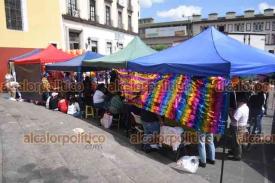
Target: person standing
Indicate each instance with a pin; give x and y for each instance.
(206, 139)
(87, 91)
(239, 119)
(256, 109)
(45, 87)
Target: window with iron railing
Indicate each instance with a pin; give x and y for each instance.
(130, 23)
(120, 46)
(108, 15)
(93, 10)
(120, 24)
(72, 8)
(13, 9)
(109, 48)
(74, 40)
(94, 46)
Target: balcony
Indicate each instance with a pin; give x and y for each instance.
(120, 25)
(130, 28)
(109, 23)
(94, 18)
(73, 12)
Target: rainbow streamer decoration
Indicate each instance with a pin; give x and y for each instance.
(192, 102)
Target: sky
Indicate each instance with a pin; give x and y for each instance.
(171, 10)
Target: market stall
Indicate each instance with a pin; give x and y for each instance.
(75, 64)
(135, 49)
(210, 53)
(13, 59)
(29, 70)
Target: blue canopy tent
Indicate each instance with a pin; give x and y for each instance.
(75, 64)
(210, 53)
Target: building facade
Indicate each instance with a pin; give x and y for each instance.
(103, 26)
(249, 23)
(27, 24)
(24, 25)
(165, 34)
(250, 27)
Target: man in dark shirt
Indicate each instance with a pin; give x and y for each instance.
(256, 104)
(151, 126)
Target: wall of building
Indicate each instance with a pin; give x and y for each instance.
(164, 33)
(42, 25)
(97, 30)
(257, 41)
(229, 24)
(101, 35)
(83, 6)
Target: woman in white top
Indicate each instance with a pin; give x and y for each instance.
(99, 97)
(73, 108)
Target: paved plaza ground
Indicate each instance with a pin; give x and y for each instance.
(115, 161)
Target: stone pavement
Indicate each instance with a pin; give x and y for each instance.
(116, 161)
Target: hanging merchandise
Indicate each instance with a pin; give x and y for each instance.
(193, 102)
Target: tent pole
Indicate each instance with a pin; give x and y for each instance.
(223, 158)
(225, 140)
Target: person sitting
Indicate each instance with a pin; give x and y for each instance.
(151, 125)
(63, 105)
(99, 97)
(116, 104)
(238, 125)
(53, 103)
(73, 108)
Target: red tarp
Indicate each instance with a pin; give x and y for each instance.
(49, 55)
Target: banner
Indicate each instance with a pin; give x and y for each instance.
(193, 102)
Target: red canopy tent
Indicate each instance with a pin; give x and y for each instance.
(49, 55)
(29, 70)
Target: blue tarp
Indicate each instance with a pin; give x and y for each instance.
(75, 64)
(209, 53)
(28, 54)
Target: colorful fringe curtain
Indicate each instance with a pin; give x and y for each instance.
(193, 102)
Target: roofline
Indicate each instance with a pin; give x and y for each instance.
(237, 18)
(163, 24)
(204, 20)
(246, 33)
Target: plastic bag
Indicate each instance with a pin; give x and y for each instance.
(106, 121)
(188, 164)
